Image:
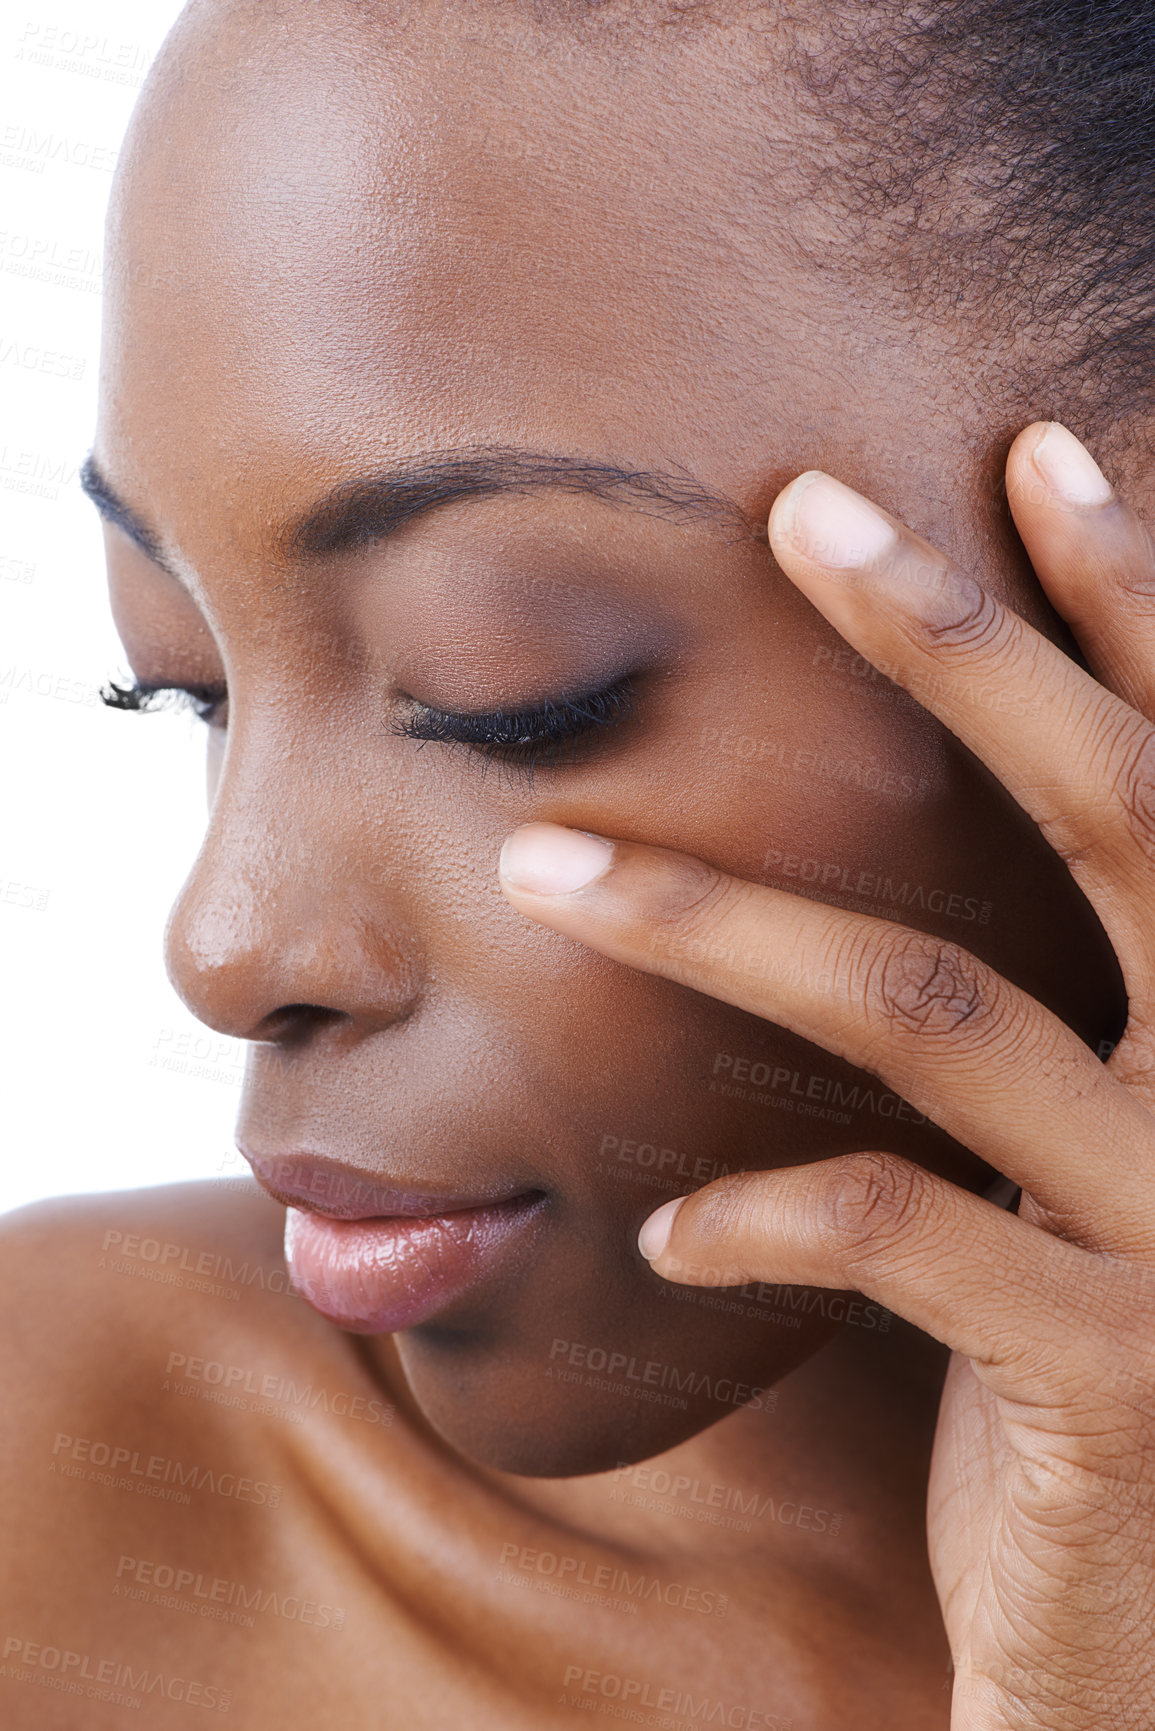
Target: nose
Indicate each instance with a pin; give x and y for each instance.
(289, 918)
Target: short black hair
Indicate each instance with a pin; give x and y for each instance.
(1037, 117)
(990, 154)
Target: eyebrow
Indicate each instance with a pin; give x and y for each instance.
(372, 507)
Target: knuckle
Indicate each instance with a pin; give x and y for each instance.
(683, 910)
(1088, 1481)
(728, 1219)
(1132, 1061)
(865, 1202)
(927, 986)
(963, 616)
(688, 898)
(731, 1207)
(1131, 1388)
(1137, 792)
(1125, 560)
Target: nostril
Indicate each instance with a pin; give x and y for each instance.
(294, 1024)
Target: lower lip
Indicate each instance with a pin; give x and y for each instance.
(378, 1276)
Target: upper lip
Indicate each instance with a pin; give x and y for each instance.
(324, 1186)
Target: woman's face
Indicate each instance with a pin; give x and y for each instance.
(333, 255)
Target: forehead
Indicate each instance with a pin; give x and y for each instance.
(331, 242)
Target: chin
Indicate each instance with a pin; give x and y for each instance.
(584, 1394)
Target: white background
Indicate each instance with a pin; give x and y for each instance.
(107, 1080)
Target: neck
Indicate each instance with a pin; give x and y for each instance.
(838, 1468)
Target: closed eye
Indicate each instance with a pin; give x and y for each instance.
(551, 732)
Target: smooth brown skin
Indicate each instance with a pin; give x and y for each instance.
(1041, 1508)
(333, 247)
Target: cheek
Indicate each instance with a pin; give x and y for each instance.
(813, 782)
(823, 778)
(630, 1089)
(819, 774)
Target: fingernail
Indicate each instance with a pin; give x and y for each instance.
(1069, 469)
(833, 525)
(655, 1233)
(552, 861)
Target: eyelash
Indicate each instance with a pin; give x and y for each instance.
(141, 698)
(548, 733)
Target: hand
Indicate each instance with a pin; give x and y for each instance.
(1042, 1489)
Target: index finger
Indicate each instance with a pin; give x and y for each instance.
(985, 1060)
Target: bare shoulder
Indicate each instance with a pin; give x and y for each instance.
(104, 1297)
(162, 1386)
(234, 1212)
(81, 1275)
(131, 1324)
(98, 1293)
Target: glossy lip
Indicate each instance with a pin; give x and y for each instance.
(376, 1259)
